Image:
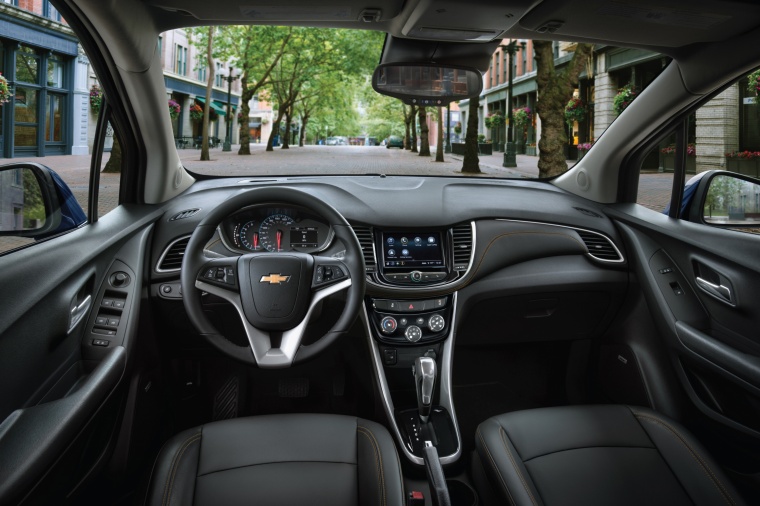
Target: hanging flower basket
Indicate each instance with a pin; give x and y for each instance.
(575, 110)
(494, 120)
(96, 98)
(196, 113)
(174, 109)
(5, 90)
(458, 128)
(522, 116)
(623, 99)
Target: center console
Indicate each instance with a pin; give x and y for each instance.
(406, 327)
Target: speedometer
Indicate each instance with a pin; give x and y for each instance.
(274, 232)
(248, 235)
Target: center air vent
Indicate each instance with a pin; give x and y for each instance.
(184, 214)
(171, 259)
(600, 246)
(462, 246)
(364, 234)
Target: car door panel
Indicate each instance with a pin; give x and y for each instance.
(55, 378)
(712, 336)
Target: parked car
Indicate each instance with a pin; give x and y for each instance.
(355, 334)
(394, 141)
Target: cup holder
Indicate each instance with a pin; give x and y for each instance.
(461, 493)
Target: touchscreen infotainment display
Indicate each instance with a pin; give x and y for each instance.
(412, 249)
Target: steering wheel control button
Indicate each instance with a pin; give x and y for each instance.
(436, 323)
(413, 333)
(388, 325)
(327, 274)
(415, 276)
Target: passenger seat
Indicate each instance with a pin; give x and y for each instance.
(598, 455)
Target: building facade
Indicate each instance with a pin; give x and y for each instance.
(729, 122)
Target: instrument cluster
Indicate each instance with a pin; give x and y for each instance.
(274, 229)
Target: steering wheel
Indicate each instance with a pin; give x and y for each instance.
(274, 294)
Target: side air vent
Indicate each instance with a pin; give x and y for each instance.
(171, 258)
(184, 214)
(462, 246)
(364, 234)
(600, 246)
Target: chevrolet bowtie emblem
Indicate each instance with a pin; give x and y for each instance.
(274, 279)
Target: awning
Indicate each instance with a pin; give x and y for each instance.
(223, 106)
(219, 110)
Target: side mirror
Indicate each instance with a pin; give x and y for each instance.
(427, 84)
(35, 202)
(727, 199)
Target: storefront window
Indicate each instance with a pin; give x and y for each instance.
(27, 65)
(25, 107)
(54, 123)
(55, 73)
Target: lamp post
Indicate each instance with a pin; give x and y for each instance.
(229, 76)
(510, 155)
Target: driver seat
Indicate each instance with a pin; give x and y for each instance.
(279, 459)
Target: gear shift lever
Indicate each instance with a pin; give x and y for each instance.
(424, 380)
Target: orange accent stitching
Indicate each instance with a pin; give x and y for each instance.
(168, 488)
(376, 449)
(503, 436)
(694, 455)
(496, 468)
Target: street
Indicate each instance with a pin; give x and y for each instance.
(654, 191)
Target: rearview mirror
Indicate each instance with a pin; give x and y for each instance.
(427, 84)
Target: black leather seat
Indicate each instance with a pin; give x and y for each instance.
(598, 455)
(279, 459)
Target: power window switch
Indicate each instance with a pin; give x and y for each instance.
(101, 320)
(100, 342)
(118, 303)
(113, 322)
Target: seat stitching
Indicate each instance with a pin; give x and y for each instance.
(378, 459)
(503, 436)
(226, 469)
(698, 458)
(496, 468)
(168, 488)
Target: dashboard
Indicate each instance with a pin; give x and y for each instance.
(275, 229)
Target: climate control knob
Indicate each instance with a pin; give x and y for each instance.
(413, 333)
(388, 325)
(436, 323)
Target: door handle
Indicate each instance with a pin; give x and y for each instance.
(78, 312)
(720, 292)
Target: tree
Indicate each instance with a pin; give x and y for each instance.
(471, 162)
(439, 144)
(555, 89)
(209, 86)
(413, 127)
(408, 113)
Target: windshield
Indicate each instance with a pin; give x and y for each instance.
(262, 100)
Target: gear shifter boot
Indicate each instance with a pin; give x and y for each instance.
(424, 380)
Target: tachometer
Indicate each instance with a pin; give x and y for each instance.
(274, 232)
(248, 235)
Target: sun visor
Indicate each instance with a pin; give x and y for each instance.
(476, 55)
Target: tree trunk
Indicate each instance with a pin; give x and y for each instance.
(275, 128)
(245, 131)
(471, 162)
(414, 129)
(408, 113)
(286, 137)
(424, 131)
(555, 89)
(114, 161)
(439, 144)
(207, 106)
(302, 135)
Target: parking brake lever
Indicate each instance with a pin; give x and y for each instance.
(435, 476)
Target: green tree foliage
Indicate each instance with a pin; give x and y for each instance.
(555, 89)
(383, 116)
(723, 192)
